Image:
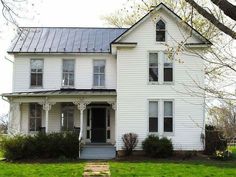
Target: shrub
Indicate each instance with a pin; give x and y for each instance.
(222, 155)
(52, 145)
(157, 147)
(214, 140)
(130, 141)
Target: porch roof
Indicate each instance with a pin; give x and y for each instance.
(62, 92)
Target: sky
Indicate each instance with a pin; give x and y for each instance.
(87, 13)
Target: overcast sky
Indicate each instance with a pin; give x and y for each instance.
(52, 13)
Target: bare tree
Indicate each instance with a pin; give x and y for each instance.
(228, 8)
(3, 124)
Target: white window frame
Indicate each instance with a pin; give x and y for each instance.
(173, 117)
(158, 67)
(35, 118)
(74, 116)
(32, 86)
(158, 116)
(62, 84)
(160, 42)
(173, 73)
(99, 86)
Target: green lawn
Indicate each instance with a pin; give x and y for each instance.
(41, 169)
(173, 169)
(233, 149)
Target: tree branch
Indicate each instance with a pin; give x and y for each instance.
(212, 19)
(228, 8)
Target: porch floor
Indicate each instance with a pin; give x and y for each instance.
(98, 151)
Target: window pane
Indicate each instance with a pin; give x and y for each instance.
(168, 124)
(160, 36)
(168, 109)
(38, 124)
(108, 134)
(88, 134)
(67, 118)
(33, 79)
(153, 109)
(68, 65)
(160, 25)
(168, 74)
(153, 124)
(95, 80)
(38, 110)
(153, 59)
(88, 117)
(96, 69)
(36, 65)
(32, 124)
(71, 79)
(39, 79)
(102, 80)
(99, 63)
(153, 74)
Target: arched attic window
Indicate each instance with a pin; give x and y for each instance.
(160, 31)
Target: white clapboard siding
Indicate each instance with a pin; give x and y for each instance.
(134, 91)
(52, 75)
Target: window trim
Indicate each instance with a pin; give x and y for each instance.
(173, 71)
(94, 86)
(67, 86)
(160, 42)
(74, 116)
(36, 87)
(29, 117)
(173, 117)
(159, 116)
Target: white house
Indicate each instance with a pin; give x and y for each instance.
(105, 82)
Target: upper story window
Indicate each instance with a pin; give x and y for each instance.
(68, 73)
(168, 116)
(153, 116)
(153, 67)
(160, 31)
(36, 75)
(168, 69)
(99, 73)
(35, 117)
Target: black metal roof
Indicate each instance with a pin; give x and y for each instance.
(64, 40)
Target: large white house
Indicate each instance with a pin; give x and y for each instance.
(105, 82)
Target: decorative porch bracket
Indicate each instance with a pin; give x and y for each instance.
(81, 105)
(46, 107)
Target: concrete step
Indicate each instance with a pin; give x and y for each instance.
(98, 152)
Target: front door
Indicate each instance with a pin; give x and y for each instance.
(98, 129)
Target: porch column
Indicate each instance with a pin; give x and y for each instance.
(114, 107)
(15, 118)
(47, 107)
(81, 105)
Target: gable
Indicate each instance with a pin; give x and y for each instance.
(172, 20)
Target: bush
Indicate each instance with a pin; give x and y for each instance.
(52, 145)
(157, 147)
(130, 142)
(214, 140)
(222, 155)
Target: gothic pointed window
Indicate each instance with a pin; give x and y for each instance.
(160, 31)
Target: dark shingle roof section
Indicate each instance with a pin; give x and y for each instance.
(64, 40)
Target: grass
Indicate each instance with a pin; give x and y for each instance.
(233, 149)
(173, 169)
(41, 169)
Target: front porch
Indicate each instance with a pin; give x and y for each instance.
(91, 114)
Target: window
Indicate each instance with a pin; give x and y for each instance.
(68, 73)
(153, 116)
(99, 73)
(168, 116)
(36, 75)
(168, 69)
(160, 31)
(67, 117)
(153, 67)
(35, 117)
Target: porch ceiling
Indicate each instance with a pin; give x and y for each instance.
(63, 92)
